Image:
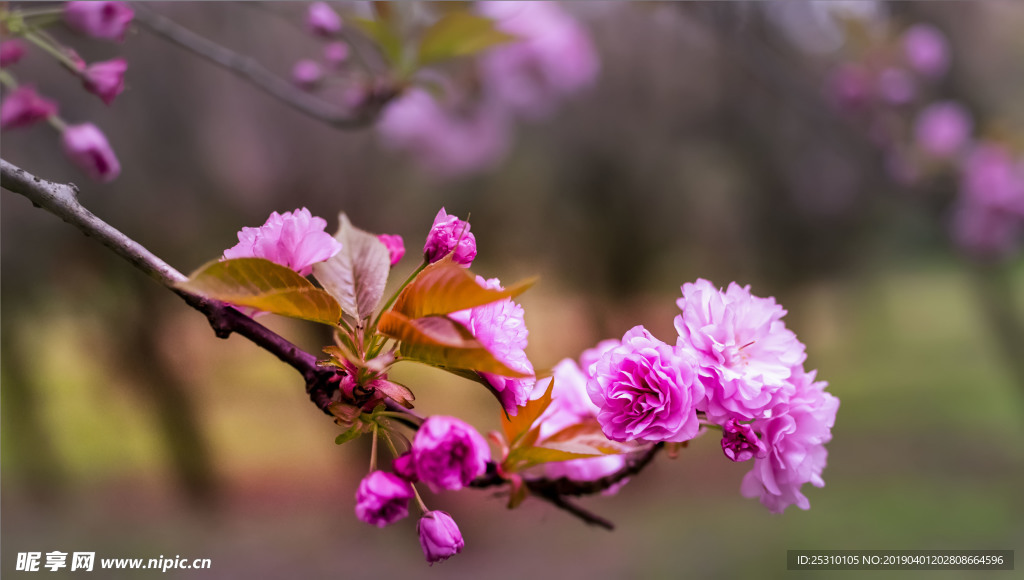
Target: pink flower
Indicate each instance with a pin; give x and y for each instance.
(986, 232)
(336, 53)
(105, 79)
(108, 20)
(11, 52)
(395, 246)
(795, 434)
(449, 453)
(744, 351)
(294, 239)
(553, 57)
(382, 499)
(849, 86)
(501, 329)
(926, 49)
(446, 142)
(646, 390)
(440, 537)
(570, 405)
(943, 129)
(740, 443)
(447, 234)
(307, 74)
(405, 467)
(24, 107)
(993, 178)
(322, 20)
(87, 147)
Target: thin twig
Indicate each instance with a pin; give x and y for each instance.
(258, 75)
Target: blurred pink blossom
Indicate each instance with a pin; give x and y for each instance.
(926, 49)
(107, 20)
(23, 107)
(307, 74)
(993, 178)
(395, 246)
(105, 79)
(943, 129)
(336, 53)
(88, 148)
(11, 52)
(896, 86)
(322, 20)
(296, 240)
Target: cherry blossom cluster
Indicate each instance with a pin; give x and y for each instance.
(734, 370)
(455, 129)
(892, 86)
(326, 25)
(83, 143)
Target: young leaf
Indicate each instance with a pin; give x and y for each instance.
(444, 287)
(356, 275)
(586, 437)
(353, 432)
(384, 35)
(441, 342)
(459, 34)
(264, 285)
(516, 427)
(396, 392)
(526, 457)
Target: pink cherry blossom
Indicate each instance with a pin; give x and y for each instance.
(307, 74)
(744, 350)
(646, 390)
(943, 129)
(440, 537)
(795, 434)
(448, 234)
(994, 178)
(322, 20)
(11, 52)
(293, 239)
(448, 453)
(88, 148)
(501, 329)
(24, 107)
(107, 20)
(395, 246)
(382, 499)
(926, 49)
(105, 79)
(336, 53)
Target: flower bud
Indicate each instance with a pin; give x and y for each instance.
(336, 53)
(447, 234)
(405, 467)
(108, 20)
(87, 147)
(395, 246)
(927, 50)
(382, 499)
(23, 107)
(105, 79)
(307, 74)
(322, 20)
(449, 453)
(11, 52)
(943, 129)
(439, 536)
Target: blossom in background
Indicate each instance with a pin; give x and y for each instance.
(795, 434)
(107, 20)
(986, 232)
(448, 453)
(849, 86)
(24, 107)
(896, 86)
(307, 74)
(440, 537)
(500, 327)
(943, 129)
(88, 148)
(442, 140)
(552, 58)
(336, 53)
(105, 79)
(11, 52)
(646, 390)
(744, 351)
(571, 405)
(447, 234)
(382, 499)
(993, 178)
(926, 50)
(395, 246)
(322, 20)
(293, 239)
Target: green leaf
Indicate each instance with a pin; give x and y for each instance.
(353, 432)
(527, 457)
(441, 342)
(516, 427)
(586, 437)
(356, 275)
(383, 34)
(264, 285)
(459, 34)
(444, 287)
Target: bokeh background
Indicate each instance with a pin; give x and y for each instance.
(707, 147)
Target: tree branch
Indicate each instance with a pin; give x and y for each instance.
(258, 75)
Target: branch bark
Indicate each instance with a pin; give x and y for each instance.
(257, 75)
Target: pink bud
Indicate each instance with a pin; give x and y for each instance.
(11, 52)
(322, 20)
(943, 129)
(107, 20)
(23, 107)
(405, 467)
(440, 537)
(105, 79)
(307, 74)
(382, 499)
(927, 50)
(87, 147)
(336, 53)
(395, 246)
(449, 234)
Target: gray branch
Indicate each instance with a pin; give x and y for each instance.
(258, 75)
